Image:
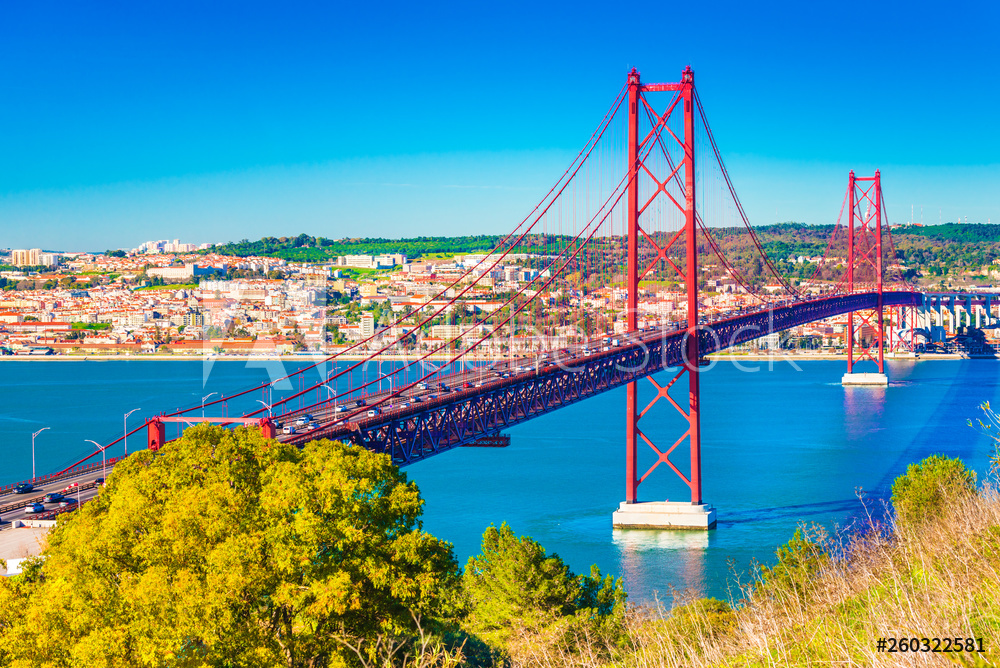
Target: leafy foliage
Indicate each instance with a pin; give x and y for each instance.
(315, 249)
(927, 487)
(224, 548)
(955, 232)
(514, 587)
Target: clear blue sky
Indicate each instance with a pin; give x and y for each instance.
(121, 122)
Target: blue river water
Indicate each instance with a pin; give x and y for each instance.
(782, 444)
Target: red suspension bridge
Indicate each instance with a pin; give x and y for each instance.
(647, 202)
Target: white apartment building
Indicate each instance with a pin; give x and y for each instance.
(367, 325)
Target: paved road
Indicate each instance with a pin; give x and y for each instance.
(12, 505)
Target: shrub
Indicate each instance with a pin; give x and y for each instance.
(518, 593)
(701, 618)
(799, 562)
(926, 488)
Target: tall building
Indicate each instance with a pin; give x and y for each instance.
(367, 324)
(30, 258)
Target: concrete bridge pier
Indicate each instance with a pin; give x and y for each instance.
(853, 377)
(871, 378)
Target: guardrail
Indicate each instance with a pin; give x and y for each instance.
(36, 499)
(41, 480)
(50, 514)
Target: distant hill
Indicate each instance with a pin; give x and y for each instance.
(953, 231)
(305, 248)
(932, 250)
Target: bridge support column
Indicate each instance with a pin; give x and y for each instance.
(267, 428)
(156, 434)
(865, 253)
(662, 514)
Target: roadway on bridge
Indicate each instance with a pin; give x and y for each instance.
(12, 505)
(440, 390)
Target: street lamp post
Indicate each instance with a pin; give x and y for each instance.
(265, 405)
(104, 458)
(203, 399)
(333, 395)
(33, 450)
(125, 424)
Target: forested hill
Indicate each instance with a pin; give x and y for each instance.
(305, 248)
(930, 249)
(954, 232)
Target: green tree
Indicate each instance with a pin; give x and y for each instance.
(224, 548)
(926, 488)
(515, 586)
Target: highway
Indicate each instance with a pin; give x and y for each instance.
(356, 410)
(12, 505)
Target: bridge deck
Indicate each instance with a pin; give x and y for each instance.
(424, 421)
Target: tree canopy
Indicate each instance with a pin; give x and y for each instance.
(224, 548)
(517, 591)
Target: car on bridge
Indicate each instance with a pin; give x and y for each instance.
(288, 429)
(373, 412)
(339, 409)
(52, 497)
(24, 488)
(34, 508)
(68, 502)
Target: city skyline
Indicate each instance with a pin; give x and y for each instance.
(235, 122)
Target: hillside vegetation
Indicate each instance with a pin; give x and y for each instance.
(932, 251)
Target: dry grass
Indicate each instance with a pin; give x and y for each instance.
(938, 580)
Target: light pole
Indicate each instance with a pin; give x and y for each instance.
(33, 450)
(125, 424)
(333, 394)
(104, 458)
(265, 405)
(203, 402)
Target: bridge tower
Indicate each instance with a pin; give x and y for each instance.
(864, 274)
(663, 514)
